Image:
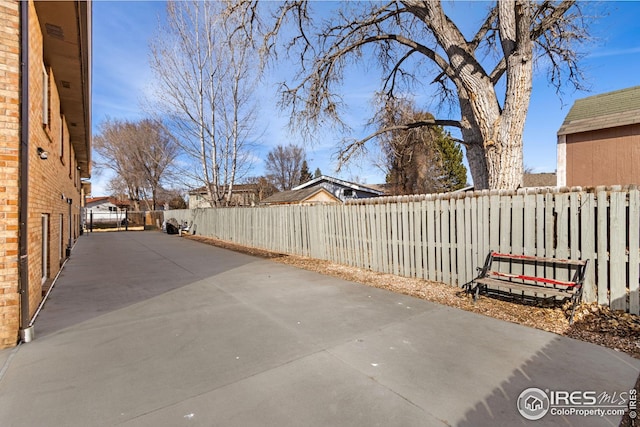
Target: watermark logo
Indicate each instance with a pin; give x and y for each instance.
(533, 403)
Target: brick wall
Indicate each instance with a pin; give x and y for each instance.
(9, 173)
(52, 182)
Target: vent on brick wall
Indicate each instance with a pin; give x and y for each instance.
(65, 84)
(54, 31)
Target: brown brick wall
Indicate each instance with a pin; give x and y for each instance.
(51, 181)
(9, 172)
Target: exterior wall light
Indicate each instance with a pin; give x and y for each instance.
(43, 154)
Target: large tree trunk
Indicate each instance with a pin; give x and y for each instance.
(492, 135)
(504, 159)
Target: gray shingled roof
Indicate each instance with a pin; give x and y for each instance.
(545, 179)
(293, 196)
(607, 110)
(324, 178)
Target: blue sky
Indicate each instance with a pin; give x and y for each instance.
(122, 78)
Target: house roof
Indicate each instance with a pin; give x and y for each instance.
(66, 40)
(607, 110)
(546, 179)
(97, 199)
(103, 199)
(296, 196)
(324, 178)
(237, 188)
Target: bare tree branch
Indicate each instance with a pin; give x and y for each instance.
(206, 70)
(403, 36)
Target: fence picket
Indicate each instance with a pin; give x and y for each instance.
(394, 239)
(562, 232)
(529, 228)
(475, 243)
(377, 243)
(634, 251)
(351, 229)
(603, 254)
(517, 230)
(430, 227)
(417, 239)
(549, 231)
(445, 246)
(406, 241)
(574, 223)
(494, 222)
(483, 222)
(617, 246)
(588, 246)
(461, 259)
(468, 264)
(540, 230)
(385, 241)
(438, 240)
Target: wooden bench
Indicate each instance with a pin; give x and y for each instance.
(515, 274)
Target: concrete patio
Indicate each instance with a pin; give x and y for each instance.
(147, 329)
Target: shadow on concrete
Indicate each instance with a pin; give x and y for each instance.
(540, 371)
(110, 271)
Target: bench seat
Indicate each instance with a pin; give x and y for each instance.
(529, 285)
(536, 290)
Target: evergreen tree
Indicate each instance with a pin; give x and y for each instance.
(454, 172)
(317, 173)
(305, 175)
(419, 160)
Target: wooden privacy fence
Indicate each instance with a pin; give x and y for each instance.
(445, 237)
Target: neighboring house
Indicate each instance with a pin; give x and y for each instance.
(599, 141)
(45, 138)
(303, 196)
(343, 190)
(241, 195)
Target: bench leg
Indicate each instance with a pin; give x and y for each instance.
(470, 289)
(477, 292)
(573, 309)
(576, 298)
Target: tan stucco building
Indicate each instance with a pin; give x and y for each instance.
(305, 196)
(45, 149)
(599, 141)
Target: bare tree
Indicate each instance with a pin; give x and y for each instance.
(140, 153)
(155, 151)
(205, 75)
(172, 198)
(283, 165)
(488, 77)
(262, 187)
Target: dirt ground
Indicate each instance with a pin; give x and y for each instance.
(592, 323)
